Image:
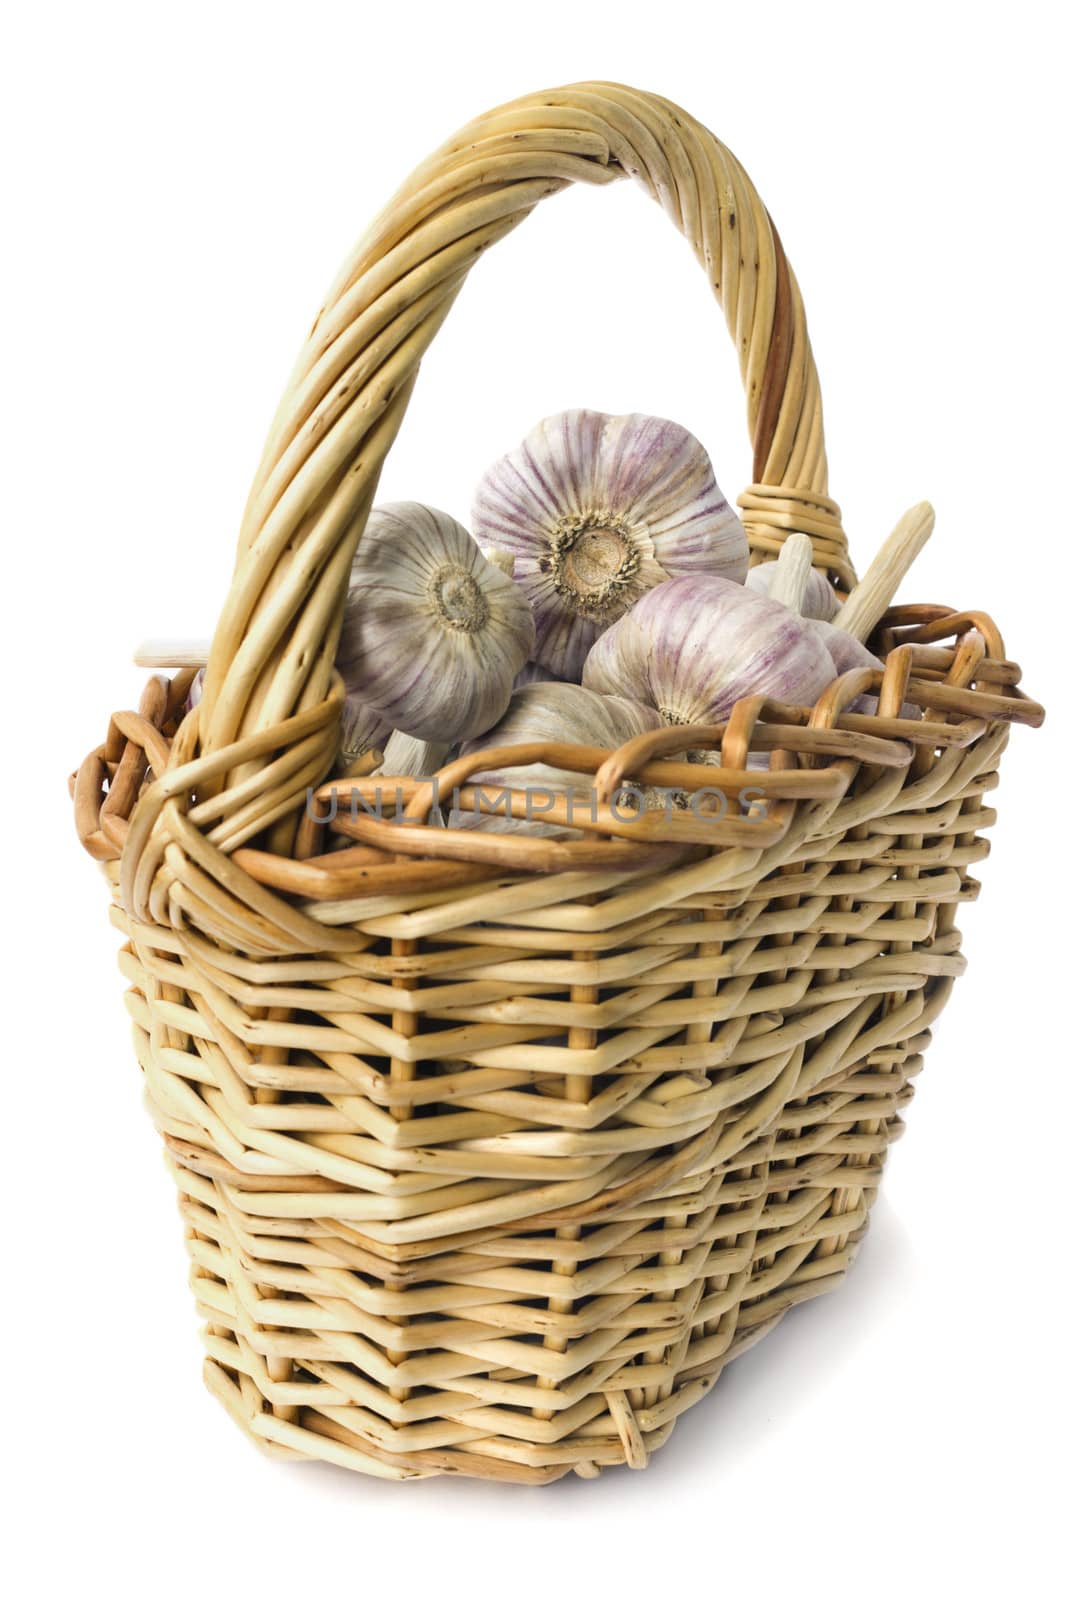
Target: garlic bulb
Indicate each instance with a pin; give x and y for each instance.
(405, 757)
(848, 653)
(553, 711)
(596, 510)
(196, 690)
(433, 634)
(695, 646)
(819, 599)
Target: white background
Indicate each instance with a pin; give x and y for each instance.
(181, 183)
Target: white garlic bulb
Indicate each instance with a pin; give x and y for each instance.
(558, 712)
(694, 646)
(596, 510)
(819, 598)
(433, 634)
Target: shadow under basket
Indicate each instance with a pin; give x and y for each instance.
(493, 1150)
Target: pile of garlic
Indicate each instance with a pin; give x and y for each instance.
(603, 591)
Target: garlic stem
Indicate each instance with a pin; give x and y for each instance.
(870, 599)
(172, 653)
(789, 582)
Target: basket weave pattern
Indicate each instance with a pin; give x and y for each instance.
(493, 1151)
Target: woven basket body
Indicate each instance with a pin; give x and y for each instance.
(492, 1151)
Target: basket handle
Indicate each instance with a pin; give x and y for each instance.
(273, 651)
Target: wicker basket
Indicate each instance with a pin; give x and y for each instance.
(493, 1150)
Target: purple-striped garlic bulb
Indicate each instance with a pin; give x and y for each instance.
(433, 634)
(819, 599)
(695, 646)
(848, 653)
(557, 713)
(596, 510)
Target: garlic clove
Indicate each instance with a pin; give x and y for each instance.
(596, 510)
(694, 646)
(553, 712)
(405, 757)
(433, 634)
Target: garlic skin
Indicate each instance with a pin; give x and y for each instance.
(405, 757)
(361, 730)
(695, 646)
(866, 705)
(499, 558)
(819, 598)
(196, 690)
(433, 634)
(533, 672)
(553, 711)
(596, 510)
(847, 652)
